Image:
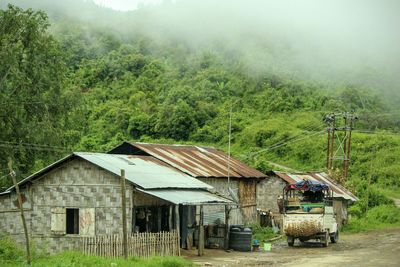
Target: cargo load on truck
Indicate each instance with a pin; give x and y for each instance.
(308, 213)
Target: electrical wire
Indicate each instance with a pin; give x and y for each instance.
(313, 127)
(4, 176)
(35, 148)
(286, 143)
(31, 144)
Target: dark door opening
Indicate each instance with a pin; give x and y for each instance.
(72, 221)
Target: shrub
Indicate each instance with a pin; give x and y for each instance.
(261, 233)
(10, 251)
(382, 216)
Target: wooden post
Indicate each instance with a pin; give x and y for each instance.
(159, 214)
(200, 246)
(328, 152)
(21, 208)
(170, 218)
(124, 230)
(133, 210)
(177, 225)
(226, 243)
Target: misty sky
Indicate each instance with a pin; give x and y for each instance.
(126, 5)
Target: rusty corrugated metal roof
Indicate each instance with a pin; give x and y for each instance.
(199, 161)
(338, 190)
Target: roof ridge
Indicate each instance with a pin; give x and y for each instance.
(176, 145)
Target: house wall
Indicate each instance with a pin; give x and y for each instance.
(10, 218)
(245, 191)
(248, 200)
(268, 191)
(76, 184)
(340, 209)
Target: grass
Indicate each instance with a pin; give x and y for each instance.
(391, 193)
(379, 217)
(77, 259)
(11, 255)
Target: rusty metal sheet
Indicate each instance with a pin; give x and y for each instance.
(199, 161)
(338, 190)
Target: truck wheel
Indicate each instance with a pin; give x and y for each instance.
(335, 237)
(290, 241)
(325, 240)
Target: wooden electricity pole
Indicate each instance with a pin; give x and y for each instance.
(21, 208)
(345, 128)
(124, 230)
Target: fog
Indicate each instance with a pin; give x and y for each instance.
(341, 41)
(352, 41)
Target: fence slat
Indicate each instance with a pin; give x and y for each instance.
(141, 245)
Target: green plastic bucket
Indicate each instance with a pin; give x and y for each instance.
(267, 246)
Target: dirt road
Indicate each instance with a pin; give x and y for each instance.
(378, 248)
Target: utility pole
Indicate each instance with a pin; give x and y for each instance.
(124, 230)
(340, 125)
(21, 208)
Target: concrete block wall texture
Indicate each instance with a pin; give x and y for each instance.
(75, 184)
(268, 191)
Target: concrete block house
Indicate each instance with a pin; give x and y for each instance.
(80, 195)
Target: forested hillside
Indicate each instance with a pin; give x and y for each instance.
(68, 84)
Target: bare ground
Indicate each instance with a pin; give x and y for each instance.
(376, 248)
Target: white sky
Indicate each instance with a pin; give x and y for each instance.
(125, 5)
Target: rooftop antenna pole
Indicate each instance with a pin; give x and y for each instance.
(230, 191)
(229, 146)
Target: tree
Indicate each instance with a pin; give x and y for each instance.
(32, 82)
(177, 121)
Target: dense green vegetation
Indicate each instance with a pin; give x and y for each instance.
(78, 86)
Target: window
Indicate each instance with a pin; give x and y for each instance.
(72, 220)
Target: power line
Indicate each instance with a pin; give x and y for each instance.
(4, 176)
(317, 127)
(32, 103)
(30, 144)
(286, 143)
(374, 114)
(375, 132)
(35, 148)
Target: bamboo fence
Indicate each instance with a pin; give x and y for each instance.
(141, 245)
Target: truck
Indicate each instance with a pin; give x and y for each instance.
(308, 213)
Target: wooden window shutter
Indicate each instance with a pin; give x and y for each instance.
(87, 221)
(58, 221)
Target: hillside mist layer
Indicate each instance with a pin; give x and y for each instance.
(343, 42)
